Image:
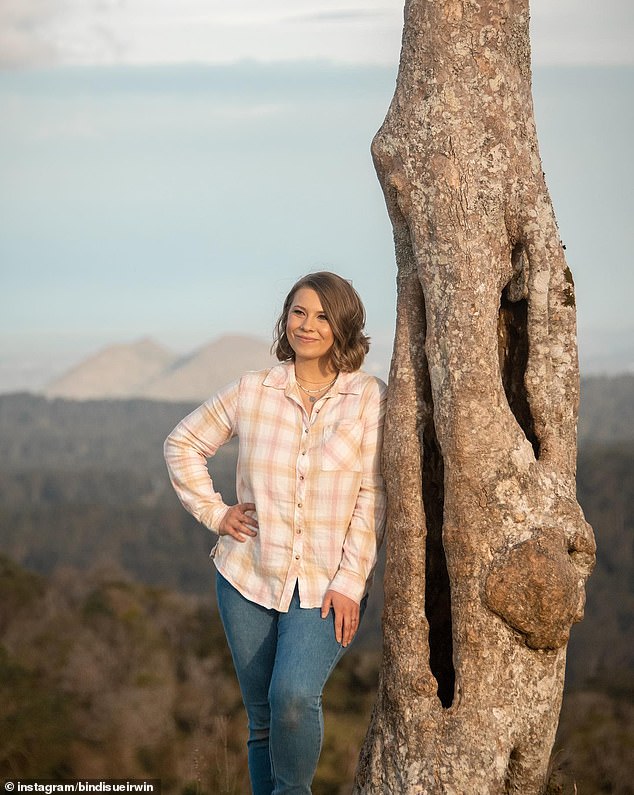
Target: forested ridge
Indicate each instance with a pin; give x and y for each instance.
(108, 626)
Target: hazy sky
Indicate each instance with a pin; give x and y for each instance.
(180, 202)
(217, 31)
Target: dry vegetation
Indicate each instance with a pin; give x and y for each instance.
(101, 675)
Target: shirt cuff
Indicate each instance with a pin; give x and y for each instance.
(212, 516)
(349, 584)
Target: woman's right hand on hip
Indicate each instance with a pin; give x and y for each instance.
(237, 524)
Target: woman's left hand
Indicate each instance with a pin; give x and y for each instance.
(346, 615)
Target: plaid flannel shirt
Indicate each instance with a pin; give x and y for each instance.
(315, 481)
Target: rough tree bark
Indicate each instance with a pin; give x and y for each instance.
(488, 550)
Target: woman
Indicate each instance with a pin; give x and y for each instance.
(295, 556)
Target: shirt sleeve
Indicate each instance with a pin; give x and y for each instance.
(367, 525)
(194, 440)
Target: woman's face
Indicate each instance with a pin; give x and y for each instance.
(308, 329)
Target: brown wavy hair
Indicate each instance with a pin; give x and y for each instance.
(346, 315)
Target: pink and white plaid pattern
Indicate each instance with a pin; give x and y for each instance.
(315, 481)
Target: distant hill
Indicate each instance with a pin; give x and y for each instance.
(144, 369)
(114, 372)
(199, 375)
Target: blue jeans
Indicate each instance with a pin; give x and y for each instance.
(283, 661)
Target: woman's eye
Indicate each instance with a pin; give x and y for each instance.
(297, 312)
(322, 317)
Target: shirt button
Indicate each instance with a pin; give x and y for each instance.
(299, 532)
(305, 430)
(301, 477)
(299, 505)
(296, 557)
(303, 452)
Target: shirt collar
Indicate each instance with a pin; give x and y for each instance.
(282, 376)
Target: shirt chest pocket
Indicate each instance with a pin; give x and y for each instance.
(341, 446)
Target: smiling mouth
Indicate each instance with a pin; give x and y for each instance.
(305, 339)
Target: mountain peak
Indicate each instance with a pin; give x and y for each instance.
(145, 369)
(198, 375)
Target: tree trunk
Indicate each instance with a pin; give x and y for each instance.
(488, 549)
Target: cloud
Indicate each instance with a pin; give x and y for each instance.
(49, 32)
(577, 32)
(24, 32)
(344, 15)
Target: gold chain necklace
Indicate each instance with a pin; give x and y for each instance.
(312, 392)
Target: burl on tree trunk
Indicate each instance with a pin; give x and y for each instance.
(488, 549)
